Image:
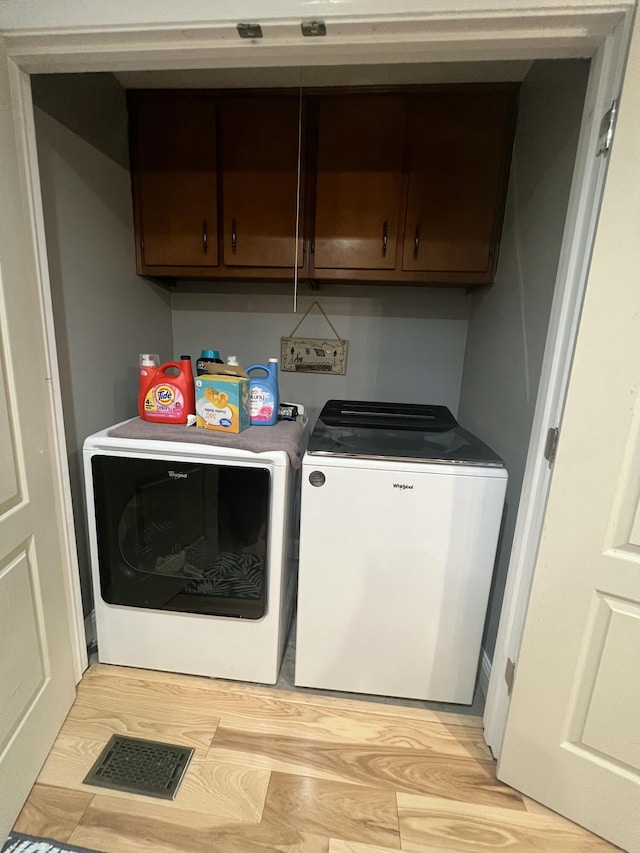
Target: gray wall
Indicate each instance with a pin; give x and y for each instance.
(508, 324)
(104, 314)
(405, 344)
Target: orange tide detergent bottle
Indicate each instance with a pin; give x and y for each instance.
(166, 392)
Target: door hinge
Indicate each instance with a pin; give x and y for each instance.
(607, 129)
(509, 675)
(551, 444)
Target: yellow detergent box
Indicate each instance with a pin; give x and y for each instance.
(222, 399)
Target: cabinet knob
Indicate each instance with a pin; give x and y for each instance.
(385, 234)
(205, 237)
(234, 241)
(416, 242)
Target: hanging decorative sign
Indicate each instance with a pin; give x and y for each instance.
(314, 355)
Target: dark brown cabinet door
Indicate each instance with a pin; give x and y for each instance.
(174, 179)
(460, 147)
(260, 197)
(359, 181)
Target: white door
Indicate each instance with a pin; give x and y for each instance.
(573, 733)
(37, 677)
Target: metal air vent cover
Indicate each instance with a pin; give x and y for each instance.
(140, 767)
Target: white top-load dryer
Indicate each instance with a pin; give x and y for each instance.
(400, 516)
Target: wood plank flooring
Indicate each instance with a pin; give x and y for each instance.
(278, 771)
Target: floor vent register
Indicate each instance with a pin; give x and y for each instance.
(140, 767)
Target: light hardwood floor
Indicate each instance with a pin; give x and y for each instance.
(282, 771)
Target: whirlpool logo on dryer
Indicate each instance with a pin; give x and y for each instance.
(403, 486)
(178, 475)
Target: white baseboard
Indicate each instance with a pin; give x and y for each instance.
(485, 673)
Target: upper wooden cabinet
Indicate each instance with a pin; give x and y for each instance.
(174, 179)
(459, 147)
(400, 185)
(194, 221)
(260, 196)
(359, 181)
(413, 188)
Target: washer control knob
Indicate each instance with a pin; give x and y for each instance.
(317, 478)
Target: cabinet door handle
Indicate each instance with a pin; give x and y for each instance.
(416, 242)
(385, 233)
(205, 237)
(234, 240)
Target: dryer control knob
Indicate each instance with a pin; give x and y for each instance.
(317, 478)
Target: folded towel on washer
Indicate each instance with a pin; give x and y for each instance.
(283, 435)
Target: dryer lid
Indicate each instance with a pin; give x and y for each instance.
(398, 431)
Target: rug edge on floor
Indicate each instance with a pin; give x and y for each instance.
(18, 842)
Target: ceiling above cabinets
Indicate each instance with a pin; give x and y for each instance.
(405, 74)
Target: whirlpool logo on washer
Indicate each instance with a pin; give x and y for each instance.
(178, 475)
(403, 486)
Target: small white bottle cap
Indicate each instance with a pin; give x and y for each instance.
(273, 359)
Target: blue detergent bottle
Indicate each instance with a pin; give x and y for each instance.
(263, 394)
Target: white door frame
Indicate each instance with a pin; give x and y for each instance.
(72, 37)
(22, 108)
(605, 81)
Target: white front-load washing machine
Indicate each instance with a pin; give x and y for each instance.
(400, 517)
